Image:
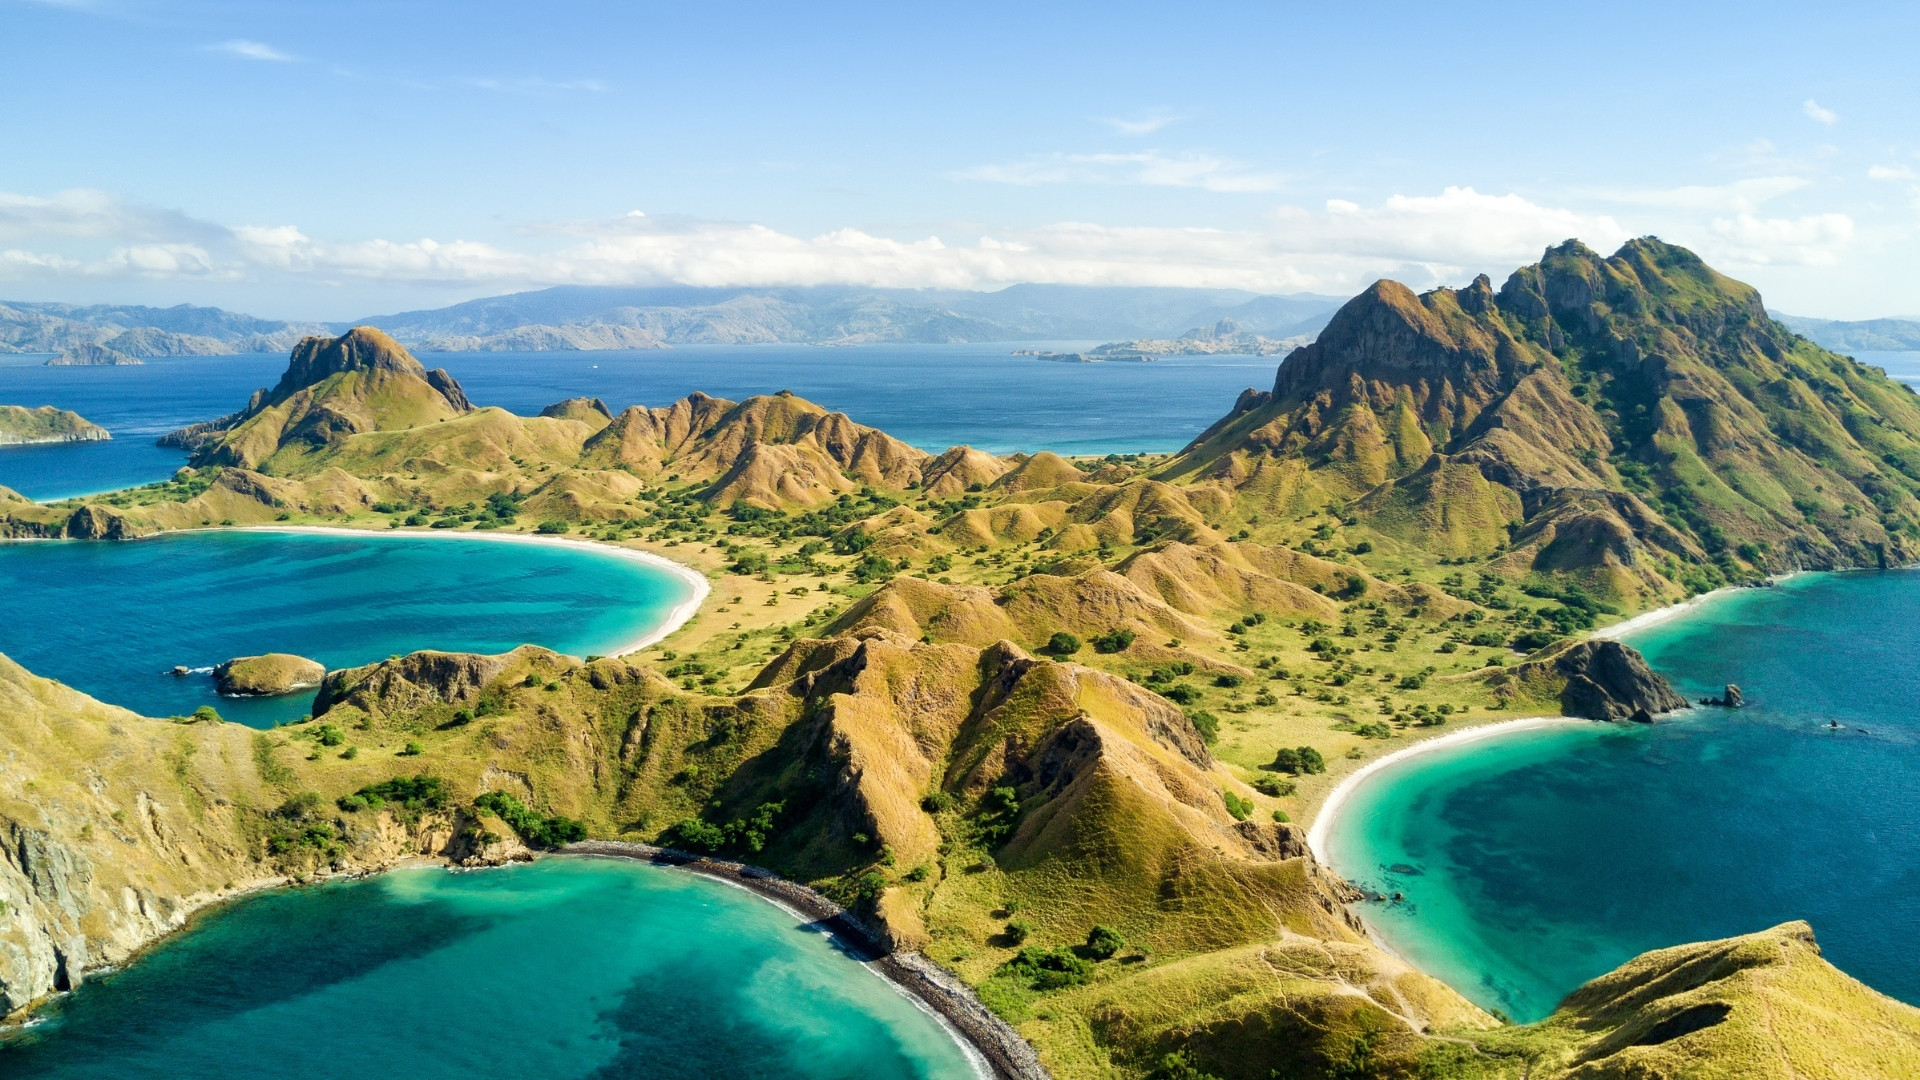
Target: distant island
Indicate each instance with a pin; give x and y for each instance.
(20, 426)
(1868, 335)
(1225, 337)
(90, 355)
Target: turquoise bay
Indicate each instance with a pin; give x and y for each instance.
(110, 618)
(563, 969)
(1533, 861)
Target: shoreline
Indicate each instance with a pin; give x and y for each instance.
(1657, 616)
(1322, 826)
(987, 1039)
(677, 616)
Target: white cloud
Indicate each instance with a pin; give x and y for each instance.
(251, 50)
(1149, 168)
(1815, 112)
(1814, 240)
(1422, 240)
(1890, 172)
(1143, 125)
(1743, 196)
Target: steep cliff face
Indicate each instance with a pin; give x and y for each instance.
(1630, 424)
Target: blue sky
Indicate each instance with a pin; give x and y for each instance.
(327, 160)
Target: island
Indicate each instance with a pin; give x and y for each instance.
(21, 426)
(269, 675)
(1051, 727)
(1224, 337)
(91, 355)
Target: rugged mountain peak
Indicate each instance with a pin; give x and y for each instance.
(1389, 335)
(362, 348)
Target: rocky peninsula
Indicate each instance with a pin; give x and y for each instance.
(21, 426)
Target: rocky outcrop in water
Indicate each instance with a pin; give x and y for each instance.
(1603, 680)
(1731, 698)
(269, 675)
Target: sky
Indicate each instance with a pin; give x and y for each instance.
(333, 160)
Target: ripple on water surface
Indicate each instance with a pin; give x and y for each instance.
(1534, 861)
(112, 618)
(561, 969)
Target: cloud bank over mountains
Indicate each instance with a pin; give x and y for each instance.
(49, 243)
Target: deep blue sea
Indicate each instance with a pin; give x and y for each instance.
(111, 619)
(933, 396)
(567, 969)
(1534, 861)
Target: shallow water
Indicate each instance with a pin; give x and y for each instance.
(933, 396)
(112, 618)
(567, 968)
(1534, 861)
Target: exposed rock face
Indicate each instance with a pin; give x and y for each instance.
(90, 355)
(408, 682)
(267, 676)
(93, 522)
(1731, 698)
(22, 426)
(333, 388)
(1606, 680)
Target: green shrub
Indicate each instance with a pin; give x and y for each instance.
(1103, 942)
(1181, 694)
(1113, 641)
(553, 528)
(1063, 644)
(935, 802)
(411, 795)
(1048, 969)
(1207, 724)
(1281, 816)
(413, 749)
(537, 831)
(1018, 931)
(330, 735)
(1237, 806)
(1228, 680)
(750, 833)
(1274, 787)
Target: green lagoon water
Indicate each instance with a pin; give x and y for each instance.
(112, 619)
(563, 969)
(1535, 860)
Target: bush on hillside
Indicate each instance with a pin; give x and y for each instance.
(1113, 641)
(1063, 644)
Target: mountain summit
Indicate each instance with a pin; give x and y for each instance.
(1623, 422)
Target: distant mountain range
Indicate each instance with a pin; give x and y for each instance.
(134, 330)
(574, 317)
(842, 315)
(1870, 335)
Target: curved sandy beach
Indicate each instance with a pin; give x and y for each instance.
(676, 618)
(1323, 820)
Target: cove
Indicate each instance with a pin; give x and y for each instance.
(1534, 861)
(565, 968)
(110, 618)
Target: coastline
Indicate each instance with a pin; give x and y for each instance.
(1673, 611)
(676, 617)
(987, 1038)
(1322, 826)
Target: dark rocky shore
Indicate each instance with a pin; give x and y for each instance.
(1008, 1054)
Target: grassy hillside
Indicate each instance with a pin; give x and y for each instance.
(1000, 704)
